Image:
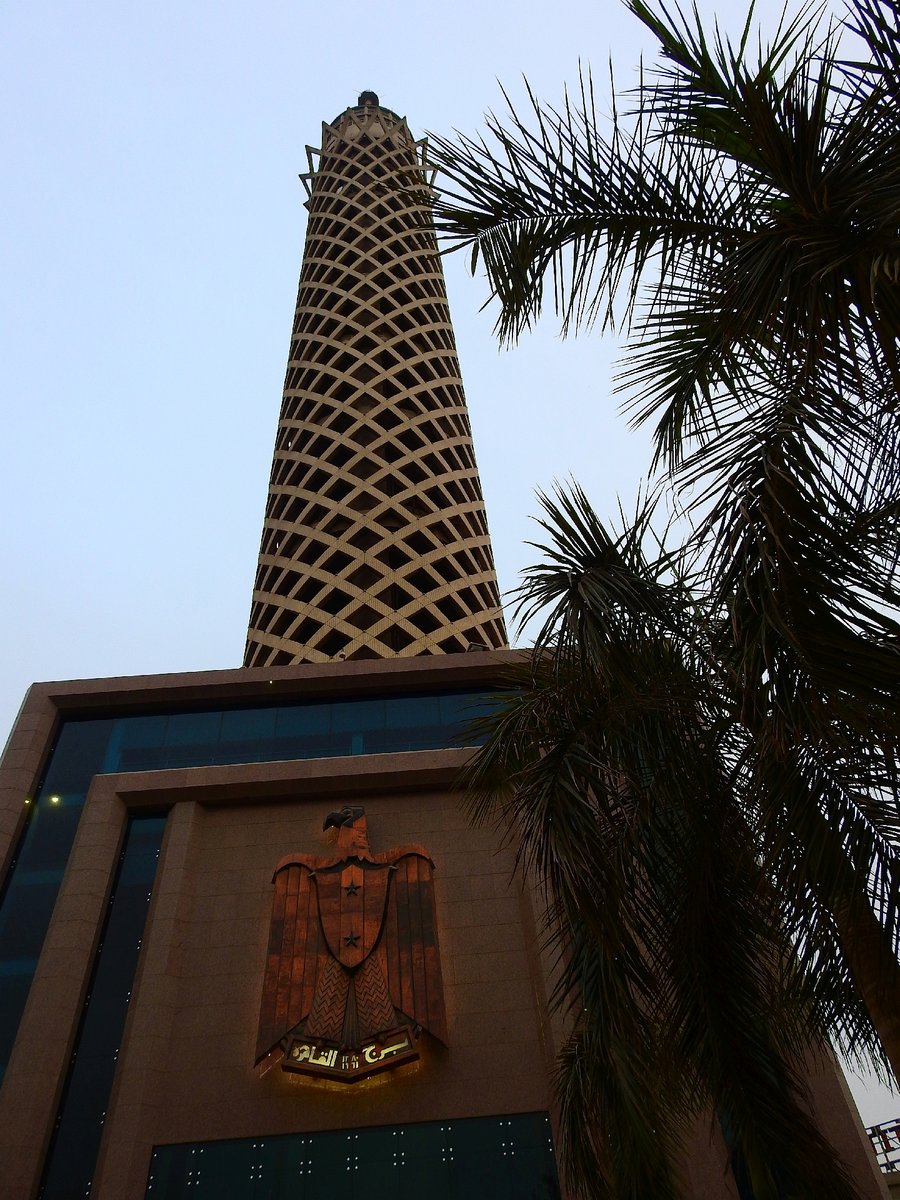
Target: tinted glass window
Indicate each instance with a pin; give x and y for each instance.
(79, 1124)
(504, 1158)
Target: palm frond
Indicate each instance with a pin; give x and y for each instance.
(699, 766)
(701, 873)
(742, 215)
(549, 195)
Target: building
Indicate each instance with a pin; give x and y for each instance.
(249, 944)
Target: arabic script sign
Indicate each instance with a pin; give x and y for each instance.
(336, 1062)
(353, 974)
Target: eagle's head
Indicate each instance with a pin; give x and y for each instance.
(344, 816)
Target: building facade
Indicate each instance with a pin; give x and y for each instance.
(250, 945)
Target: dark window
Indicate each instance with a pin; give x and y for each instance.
(505, 1158)
(79, 1123)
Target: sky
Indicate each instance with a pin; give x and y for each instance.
(151, 230)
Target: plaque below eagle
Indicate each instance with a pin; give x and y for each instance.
(353, 973)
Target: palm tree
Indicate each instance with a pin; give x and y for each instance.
(708, 741)
(691, 983)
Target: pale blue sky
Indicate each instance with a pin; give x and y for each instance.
(151, 226)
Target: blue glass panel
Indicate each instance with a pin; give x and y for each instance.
(48, 837)
(329, 1169)
(78, 752)
(248, 724)
(192, 738)
(426, 1177)
(135, 744)
(508, 1158)
(301, 720)
(250, 735)
(25, 918)
(169, 1169)
(456, 709)
(15, 983)
(232, 1173)
(142, 758)
(408, 712)
(70, 1162)
(30, 896)
(287, 1162)
(361, 715)
(193, 729)
(465, 712)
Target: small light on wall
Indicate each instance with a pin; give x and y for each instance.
(54, 799)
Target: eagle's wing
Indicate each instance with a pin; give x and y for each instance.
(295, 946)
(412, 960)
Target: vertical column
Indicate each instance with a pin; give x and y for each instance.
(139, 1090)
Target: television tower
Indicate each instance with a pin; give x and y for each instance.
(375, 541)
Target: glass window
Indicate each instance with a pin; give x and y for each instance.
(506, 1158)
(79, 1124)
(192, 739)
(135, 744)
(15, 982)
(50, 831)
(301, 720)
(408, 712)
(78, 752)
(248, 725)
(362, 715)
(23, 922)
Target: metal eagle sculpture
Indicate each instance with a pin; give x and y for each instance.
(353, 973)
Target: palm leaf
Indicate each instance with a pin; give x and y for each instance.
(700, 765)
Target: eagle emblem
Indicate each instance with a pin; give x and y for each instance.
(353, 973)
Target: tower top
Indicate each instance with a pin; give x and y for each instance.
(368, 107)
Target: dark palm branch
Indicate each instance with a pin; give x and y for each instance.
(700, 765)
(743, 214)
(623, 773)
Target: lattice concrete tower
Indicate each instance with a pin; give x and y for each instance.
(375, 542)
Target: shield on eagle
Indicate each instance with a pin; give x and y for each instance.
(353, 972)
(352, 901)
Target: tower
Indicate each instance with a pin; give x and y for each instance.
(375, 540)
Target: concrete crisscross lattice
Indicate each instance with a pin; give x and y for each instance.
(375, 541)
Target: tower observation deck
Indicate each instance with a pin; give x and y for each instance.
(375, 541)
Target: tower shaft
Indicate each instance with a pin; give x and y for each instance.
(375, 540)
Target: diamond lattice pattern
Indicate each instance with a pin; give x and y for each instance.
(375, 542)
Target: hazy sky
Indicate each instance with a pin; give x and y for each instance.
(151, 228)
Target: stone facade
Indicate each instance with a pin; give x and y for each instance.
(184, 1069)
